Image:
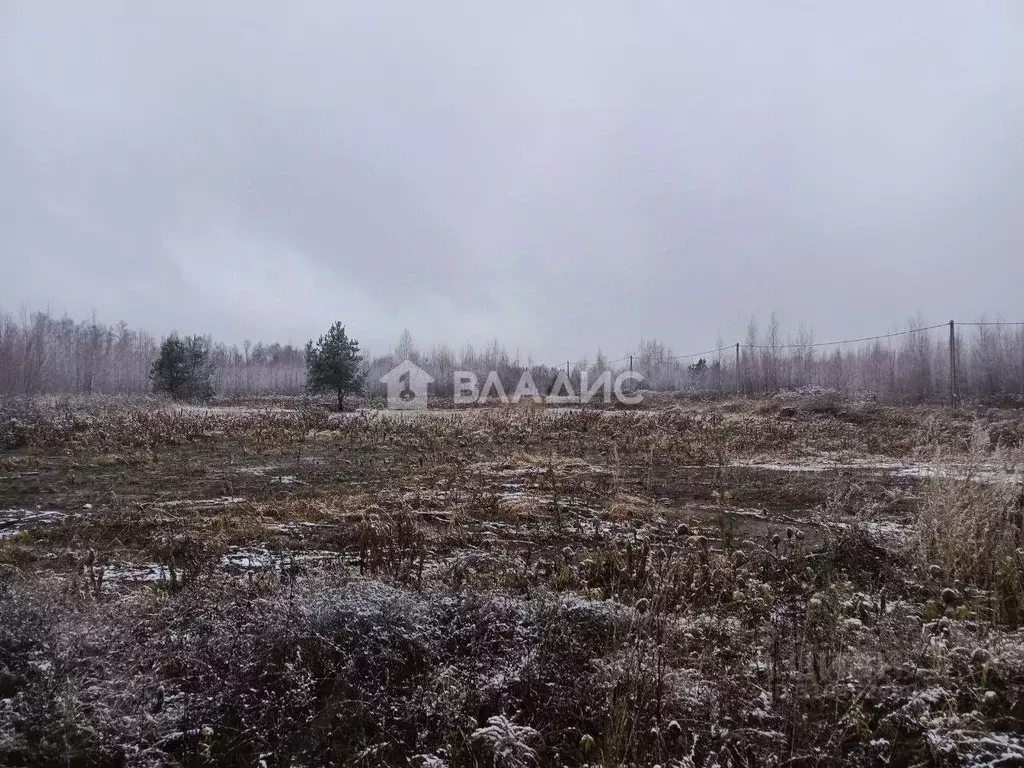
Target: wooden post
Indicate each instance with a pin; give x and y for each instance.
(952, 365)
(737, 367)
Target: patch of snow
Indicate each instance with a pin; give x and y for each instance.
(985, 750)
(822, 464)
(264, 559)
(13, 521)
(233, 560)
(134, 572)
(986, 474)
(223, 501)
(955, 472)
(889, 530)
(271, 471)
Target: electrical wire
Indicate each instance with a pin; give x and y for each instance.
(860, 340)
(973, 325)
(846, 341)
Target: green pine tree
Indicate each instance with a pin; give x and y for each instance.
(184, 369)
(333, 363)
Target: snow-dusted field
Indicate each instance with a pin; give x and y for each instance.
(732, 583)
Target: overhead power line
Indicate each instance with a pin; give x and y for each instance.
(804, 346)
(860, 340)
(847, 341)
(998, 323)
(696, 354)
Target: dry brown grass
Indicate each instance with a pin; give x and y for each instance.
(623, 584)
(970, 529)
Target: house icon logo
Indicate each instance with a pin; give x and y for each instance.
(407, 386)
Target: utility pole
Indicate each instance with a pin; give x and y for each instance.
(737, 367)
(952, 365)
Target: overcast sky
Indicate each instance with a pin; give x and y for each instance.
(562, 175)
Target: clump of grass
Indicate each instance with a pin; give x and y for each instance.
(16, 551)
(392, 544)
(186, 556)
(970, 530)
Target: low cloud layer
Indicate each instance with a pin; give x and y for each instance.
(562, 176)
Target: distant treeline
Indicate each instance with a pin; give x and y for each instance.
(44, 354)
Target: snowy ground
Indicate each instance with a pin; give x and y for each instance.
(690, 584)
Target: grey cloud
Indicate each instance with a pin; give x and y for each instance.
(561, 176)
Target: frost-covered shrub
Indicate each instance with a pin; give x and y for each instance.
(334, 670)
(232, 673)
(16, 421)
(505, 744)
